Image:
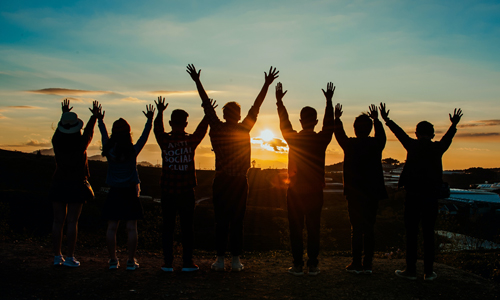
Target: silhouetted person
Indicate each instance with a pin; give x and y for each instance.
(306, 172)
(123, 199)
(70, 188)
(178, 179)
(363, 183)
(422, 179)
(231, 144)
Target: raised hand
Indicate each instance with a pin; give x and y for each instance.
(65, 106)
(192, 72)
(373, 112)
(279, 92)
(383, 112)
(273, 74)
(97, 110)
(457, 115)
(213, 103)
(330, 89)
(161, 105)
(338, 111)
(150, 111)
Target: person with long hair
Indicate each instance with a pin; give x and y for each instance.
(123, 199)
(70, 188)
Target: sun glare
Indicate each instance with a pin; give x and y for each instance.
(267, 135)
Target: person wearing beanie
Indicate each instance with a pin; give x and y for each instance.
(123, 199)
(70, 188)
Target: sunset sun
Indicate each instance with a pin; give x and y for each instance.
(267, 135)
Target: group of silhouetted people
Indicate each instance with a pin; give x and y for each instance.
(362, 176)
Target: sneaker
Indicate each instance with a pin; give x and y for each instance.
(190, 268)
(58, 260)
(113, 264)
(430, 277)
(367, 269)
(217, 266)
(237, 267)
(132, 265)
(313, 271)
(296, 270)
(71, 262)
(354, 268)
(406, 274)
(167, 268)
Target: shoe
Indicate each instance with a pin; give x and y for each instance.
(237, 267)
(190, 268)
(367, 271)
(58, 260)
(113, 264)
(430, 277)
(313, 271)
(132, 265)
(167, 268)
(406, 274)
(218, 266)
(296, 270)
(354, 268)
(71, 262)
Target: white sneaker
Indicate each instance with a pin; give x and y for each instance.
(71, 262)
(113, 264)
(237, 267)
(218, 266)
(58, 260)
(430, 277)
(132, 265)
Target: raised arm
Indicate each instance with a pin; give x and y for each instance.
(285, 125)
(149, 113)
(328, 118)
(251, 117)
(448, 136)
(88, 132)
(400, 134)
(213, 120)
(339, 131)
(379, 128)
(201, 129)
(158, 124)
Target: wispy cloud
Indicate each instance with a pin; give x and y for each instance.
(473, 149)
(24, 107)
(64, 92)
(478, 134)
(31, 143)
(133, 99)
(169, 93)
(480, 123)
(275, 145)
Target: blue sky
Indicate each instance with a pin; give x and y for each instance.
(423, 58)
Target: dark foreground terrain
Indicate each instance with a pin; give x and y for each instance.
(27, 273)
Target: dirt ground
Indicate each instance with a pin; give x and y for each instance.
(27, 273)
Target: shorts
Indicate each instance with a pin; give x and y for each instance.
(122, 204)
(70, 191)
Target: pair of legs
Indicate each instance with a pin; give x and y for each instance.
(362, 214)
(420, 208)
(303, 204)
(184, 204)
(230, 201)
(131, 242)
(69, 212)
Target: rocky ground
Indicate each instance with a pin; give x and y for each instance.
(27, 273)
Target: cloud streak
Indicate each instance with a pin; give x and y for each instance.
(481, 123)
(478, 134)
(24, 107)
(180, 93)
(275, 145)
(64, 92)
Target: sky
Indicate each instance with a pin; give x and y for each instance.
(422, 58)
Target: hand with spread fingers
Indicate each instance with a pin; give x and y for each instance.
(330, 90)
(383, 112)
(65, 106)
(192, 72)
(338, 111)
(161, 105)
(273, 74)
(96, 110)
(279, 93)
(150, 111)
(457, 115)
(373, 112)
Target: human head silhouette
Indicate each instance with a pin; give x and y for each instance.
(308, 118)
(424, 130)
(178, 119)
(363, 125)
(231, 112)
